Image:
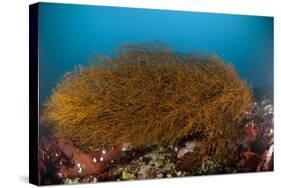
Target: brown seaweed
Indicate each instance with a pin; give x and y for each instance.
(148, 94)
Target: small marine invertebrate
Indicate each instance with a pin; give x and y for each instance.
(60, 160)
(93, 163)
(148, 94)
(189, 147)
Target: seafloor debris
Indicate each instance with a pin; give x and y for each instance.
(62, 162)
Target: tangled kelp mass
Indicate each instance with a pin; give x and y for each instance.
(149, 95)
(61, 162)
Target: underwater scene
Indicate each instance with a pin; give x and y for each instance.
(134, 94)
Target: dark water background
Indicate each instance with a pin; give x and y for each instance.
(70, 34)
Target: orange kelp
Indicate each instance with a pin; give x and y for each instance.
(148, 94)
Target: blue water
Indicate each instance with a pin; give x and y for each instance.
(70, 34)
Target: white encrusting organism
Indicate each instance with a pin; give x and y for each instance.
(94, 160)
